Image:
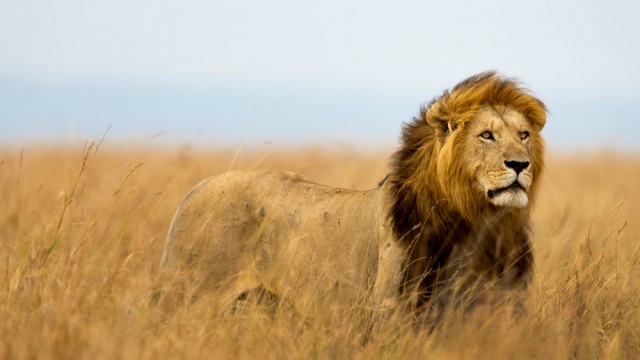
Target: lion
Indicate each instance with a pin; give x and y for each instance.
(452, 215)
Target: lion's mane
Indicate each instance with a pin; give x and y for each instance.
(433, 207)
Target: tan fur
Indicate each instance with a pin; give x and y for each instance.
(439, 225)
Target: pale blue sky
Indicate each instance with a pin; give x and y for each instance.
(292, 71)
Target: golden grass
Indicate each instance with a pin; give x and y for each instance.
(82, 232)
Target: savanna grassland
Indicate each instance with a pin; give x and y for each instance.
(82, 232)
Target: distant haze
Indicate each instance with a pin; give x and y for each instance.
(292, 71)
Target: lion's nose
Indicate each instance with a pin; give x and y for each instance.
(518, 166)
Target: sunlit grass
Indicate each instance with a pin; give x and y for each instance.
(82, 232)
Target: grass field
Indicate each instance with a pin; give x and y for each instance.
(82, 232)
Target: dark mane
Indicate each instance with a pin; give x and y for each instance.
(428, 222)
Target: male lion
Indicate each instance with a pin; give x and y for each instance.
(452, 215)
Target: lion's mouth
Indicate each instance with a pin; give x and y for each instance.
(514, 186)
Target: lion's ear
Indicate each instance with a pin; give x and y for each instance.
(538, 120)
(439, 121)
(537, 114)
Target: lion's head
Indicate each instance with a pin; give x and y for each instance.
(473, 150)
(463, 182)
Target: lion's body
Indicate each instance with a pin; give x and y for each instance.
(452, 217)
(269, 229)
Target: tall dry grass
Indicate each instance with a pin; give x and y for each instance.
(82, 232)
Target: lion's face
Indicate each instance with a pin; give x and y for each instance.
(500, 146)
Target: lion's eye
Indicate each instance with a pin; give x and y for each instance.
(487, 135)
(523, 135)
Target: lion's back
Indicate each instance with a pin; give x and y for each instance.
(223, 203)
(269, 221)
(230, 211)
